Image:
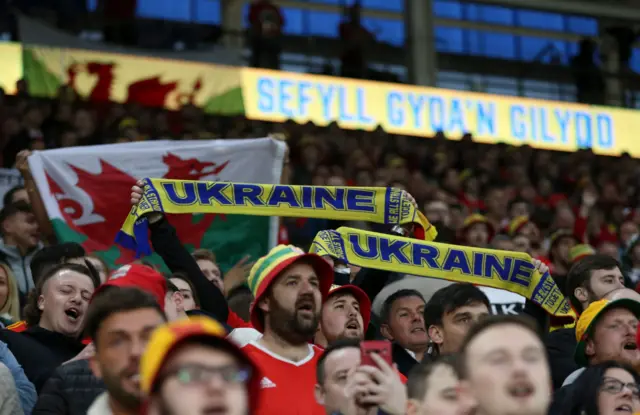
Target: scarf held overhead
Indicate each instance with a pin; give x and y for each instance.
(510, 271)
(373, 204)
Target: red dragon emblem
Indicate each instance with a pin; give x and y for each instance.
(149, 92)
(109, 191)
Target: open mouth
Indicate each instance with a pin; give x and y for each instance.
(418, 330)
(521, 390)
(215, 410)
(353, 325)
(73, 313)
(631, 345)
(624, 408)
(305, 306)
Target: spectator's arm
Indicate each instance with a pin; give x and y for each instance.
(589, 199)
(26, 390)
(37, 205)
(166, 244)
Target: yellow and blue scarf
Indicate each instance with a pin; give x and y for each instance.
(373, 204)
(511, 271)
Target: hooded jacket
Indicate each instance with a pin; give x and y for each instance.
(19, 264)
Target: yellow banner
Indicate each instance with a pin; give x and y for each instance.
(419, 111)
(11, 72)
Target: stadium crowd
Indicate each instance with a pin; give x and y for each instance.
(289, 334)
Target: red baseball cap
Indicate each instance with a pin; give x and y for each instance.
(361, 297)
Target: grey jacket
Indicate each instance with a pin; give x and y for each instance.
(9, 401)
(26, 391)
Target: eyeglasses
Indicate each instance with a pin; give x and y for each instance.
(199, 374)
(613, 386)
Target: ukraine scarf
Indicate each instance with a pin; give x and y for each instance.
(373, 204)
(510, 271)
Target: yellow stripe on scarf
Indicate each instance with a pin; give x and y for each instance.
(373, 204)
(511, 271)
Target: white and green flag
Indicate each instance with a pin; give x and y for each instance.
(86, 192)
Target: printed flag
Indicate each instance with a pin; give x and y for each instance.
(86, 192)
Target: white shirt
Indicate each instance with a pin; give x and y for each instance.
(573, 376)
(100, 406)
(412, 354)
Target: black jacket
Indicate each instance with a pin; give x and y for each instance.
(403, 359)
(561, 345)
(69, 391)
(40, 351)
(166, 243)
(562, 401)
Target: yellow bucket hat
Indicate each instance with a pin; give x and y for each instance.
(588, 319)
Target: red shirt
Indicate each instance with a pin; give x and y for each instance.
(287, 387)
(236, 322)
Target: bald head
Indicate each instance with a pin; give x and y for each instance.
(620, 293)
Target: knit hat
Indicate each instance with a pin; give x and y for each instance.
(361, 297)
(267, 268)
(517, 224)
(588, 318)
(476, 218)
(166, 338)
(139, 276)
(580, 251)
(557, 236)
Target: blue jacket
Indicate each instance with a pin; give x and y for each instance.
(26, 390)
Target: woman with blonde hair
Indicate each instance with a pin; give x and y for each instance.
(9, 300)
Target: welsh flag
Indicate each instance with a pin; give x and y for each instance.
(86, 192)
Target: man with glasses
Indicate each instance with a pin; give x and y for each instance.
(190, 368)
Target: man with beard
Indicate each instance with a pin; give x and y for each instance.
(289, 287)
(345, 315)
(189, 367)
(120, 321)
(589, 280)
